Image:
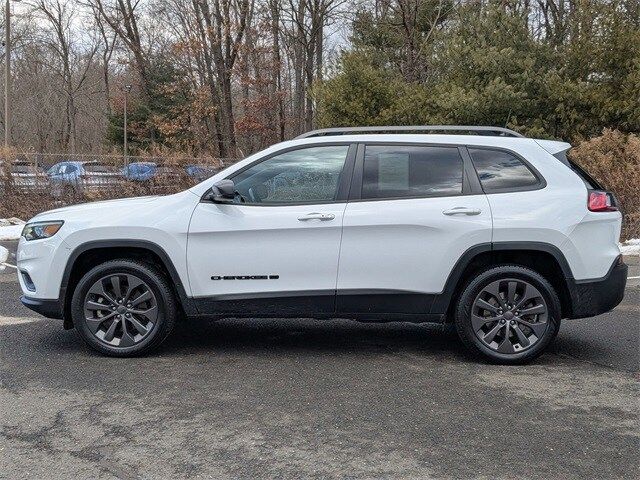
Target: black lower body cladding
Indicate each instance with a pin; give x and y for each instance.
(591, 298)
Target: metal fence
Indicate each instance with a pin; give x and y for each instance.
(45, 161)
(65, 172)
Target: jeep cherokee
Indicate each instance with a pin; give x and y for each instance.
(497, 234)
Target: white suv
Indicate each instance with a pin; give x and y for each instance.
(496, 233)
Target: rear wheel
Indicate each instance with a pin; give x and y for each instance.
(509, 314)
(123, 308)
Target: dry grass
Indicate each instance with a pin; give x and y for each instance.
(22, 203)
(614, 160)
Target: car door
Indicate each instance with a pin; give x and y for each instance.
(274, 251)
(414, 211)
(54, 172)
(72, 173)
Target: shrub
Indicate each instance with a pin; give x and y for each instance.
(613, 159)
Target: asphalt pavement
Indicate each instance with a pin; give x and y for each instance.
(292, 399)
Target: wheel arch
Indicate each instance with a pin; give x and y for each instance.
(544, 258)
(87, 255)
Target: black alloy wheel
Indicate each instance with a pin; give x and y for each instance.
(120, 310)
(508, 313)
(124, 307)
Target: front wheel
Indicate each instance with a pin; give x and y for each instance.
(509, 314)
(123, 308)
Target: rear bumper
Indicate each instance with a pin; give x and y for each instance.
(594, 297)
(47, 308)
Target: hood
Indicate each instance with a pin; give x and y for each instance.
(105, 207)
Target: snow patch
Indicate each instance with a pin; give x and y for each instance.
(630, 247)
(4, 256)
(10, 229)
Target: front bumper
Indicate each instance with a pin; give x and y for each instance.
(47, 308)
(591, 298)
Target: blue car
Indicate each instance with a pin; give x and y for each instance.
(80, 174)
(66, 172)
(200, 172)
(140, 171)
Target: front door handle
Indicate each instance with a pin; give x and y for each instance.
(317, 216)
(462, 211)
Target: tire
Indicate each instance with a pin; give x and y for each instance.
(498, 328)
(116, 329)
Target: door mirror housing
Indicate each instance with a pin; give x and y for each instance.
(223, 191)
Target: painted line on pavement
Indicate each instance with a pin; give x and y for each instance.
(17, 320)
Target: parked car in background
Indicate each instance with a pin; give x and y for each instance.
(140, 171)
(73, 175)
(21, 174)
(200, 172)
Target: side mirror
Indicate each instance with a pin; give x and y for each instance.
(223, 191)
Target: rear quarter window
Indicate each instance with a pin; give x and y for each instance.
(501, 171)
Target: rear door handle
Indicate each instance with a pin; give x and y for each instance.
(462, 211)
(317, 216)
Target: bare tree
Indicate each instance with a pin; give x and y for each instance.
(107, 40)
(123, 16)
(222, 24)
(58, 17)
(303, 26)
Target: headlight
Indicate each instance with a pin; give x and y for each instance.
(39, 230)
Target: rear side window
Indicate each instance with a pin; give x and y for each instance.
(392, 171)
(500, 171)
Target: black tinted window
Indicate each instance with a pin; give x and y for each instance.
(411, 171)
(306, 175)
(499, 170)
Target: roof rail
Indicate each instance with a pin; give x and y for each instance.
(489, 131)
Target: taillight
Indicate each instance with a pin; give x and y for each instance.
(601, 202)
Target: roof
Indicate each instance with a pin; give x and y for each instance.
(483, 130)
(479, 140)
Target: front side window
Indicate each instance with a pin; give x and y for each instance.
(499, 170)
(306, 175)
(411, 171)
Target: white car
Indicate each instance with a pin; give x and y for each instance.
(499, 234)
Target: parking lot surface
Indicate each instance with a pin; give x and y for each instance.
(317, 399)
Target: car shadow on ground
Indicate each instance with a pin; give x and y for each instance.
(312, 335)
(273, 337)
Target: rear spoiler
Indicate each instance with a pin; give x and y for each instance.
(557, 149)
